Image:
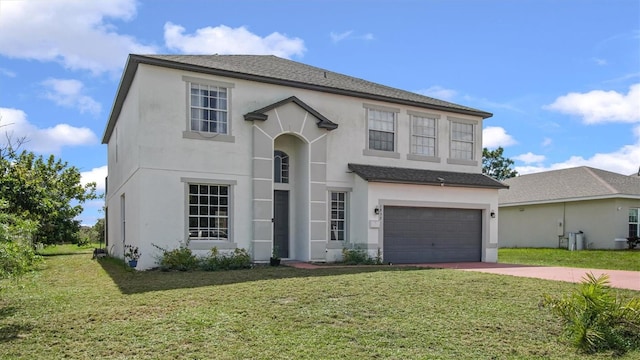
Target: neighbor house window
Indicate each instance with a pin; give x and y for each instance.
(462, 140)
(208, 108)
(423, 135)
(382, 129)
(280, 167)
(208, 211)
(634, 230)
(338, 216)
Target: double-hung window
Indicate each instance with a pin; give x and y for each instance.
(208, 211)
(634, 230)
(208, 108)
(423, 135)
(338, 216)
(382, 130)
(463, 140)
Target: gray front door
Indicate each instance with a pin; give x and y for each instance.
(281, 222)
(423, 235)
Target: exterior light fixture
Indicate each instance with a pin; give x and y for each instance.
(493, 214)
(376, 210)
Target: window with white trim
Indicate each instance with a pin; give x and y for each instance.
(462, 140)
(338, 216)
(280, 167)
(208, 108)
(208, 212)
(634, 229)
(423, 135)
(382, 127)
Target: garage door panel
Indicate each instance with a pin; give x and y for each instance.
(413, 235)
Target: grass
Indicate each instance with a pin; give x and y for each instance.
(591, 259)
(76, 307)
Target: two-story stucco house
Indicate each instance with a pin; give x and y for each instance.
(244, 151)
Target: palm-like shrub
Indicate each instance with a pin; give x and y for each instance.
(595, 319)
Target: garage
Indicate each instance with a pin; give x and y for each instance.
(431, 235)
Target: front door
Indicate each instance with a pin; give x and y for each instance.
(281, 222)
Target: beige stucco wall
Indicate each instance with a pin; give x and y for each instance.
(601, 221)
(154, 158)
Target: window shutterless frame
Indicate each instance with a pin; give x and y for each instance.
(208, 109)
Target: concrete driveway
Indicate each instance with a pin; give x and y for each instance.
(618, 278)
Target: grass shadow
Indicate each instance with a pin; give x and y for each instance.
(135, 282)
(10, 332)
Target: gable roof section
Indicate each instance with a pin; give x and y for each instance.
(260, 115)
(424, 177)
(274, 70)
(580, 183)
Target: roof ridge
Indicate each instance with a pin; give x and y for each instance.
(601, 180)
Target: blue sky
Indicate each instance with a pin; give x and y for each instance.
(562, 78)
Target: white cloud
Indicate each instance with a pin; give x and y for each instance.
(7, 73)
(623, 161)
(96, 175)
(44, 141)
(336, 37)
(225, 40)
(546, 142)
(600, 62)
(77, 34)
(530, 158)
(495, 136)
(68, 93)
(439, 92)
(599, 106)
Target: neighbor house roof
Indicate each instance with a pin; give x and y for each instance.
(388, 174)
(580, 183)
(274, 70)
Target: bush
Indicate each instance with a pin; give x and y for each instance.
(359, 256)
(17, 255)
(596, 320)
(239, 259)
(181, 259)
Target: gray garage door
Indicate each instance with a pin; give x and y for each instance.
(419, 235)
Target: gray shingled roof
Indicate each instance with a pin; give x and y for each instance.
(424, 177)
(568, 185)
(274, 70)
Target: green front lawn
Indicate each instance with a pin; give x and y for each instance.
(590, 259)
(76, 307)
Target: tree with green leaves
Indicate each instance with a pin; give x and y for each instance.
(46, 191)
(496, 165)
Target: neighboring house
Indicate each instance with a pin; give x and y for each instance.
(542, 209)
(244, 151)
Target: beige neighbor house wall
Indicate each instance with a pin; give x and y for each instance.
(601, 221)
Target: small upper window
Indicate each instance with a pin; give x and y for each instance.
(381, 129)
(462, 141)
(423, 135)
(280, 167)
(208, 108)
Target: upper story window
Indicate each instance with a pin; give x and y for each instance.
(280, 167)
(423, 135)
(208, 108)
(462, 140)
(382, 130)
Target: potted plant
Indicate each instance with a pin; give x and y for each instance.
(132, 254)
(275, 259)
(633, 241)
